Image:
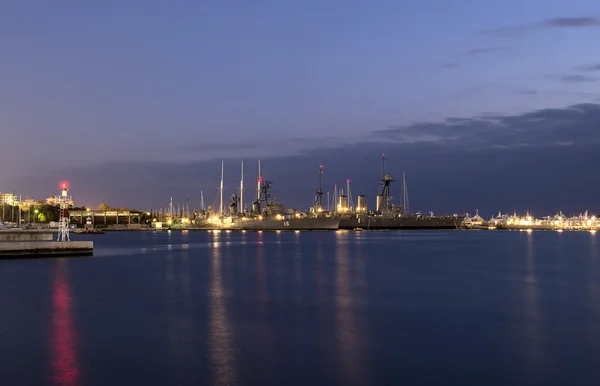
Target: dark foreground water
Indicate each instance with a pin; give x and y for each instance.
(341, 308)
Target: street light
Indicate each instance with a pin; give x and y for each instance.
(36, 212)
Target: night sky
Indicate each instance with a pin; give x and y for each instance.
(489, 105)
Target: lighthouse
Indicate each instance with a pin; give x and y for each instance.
(63, 203)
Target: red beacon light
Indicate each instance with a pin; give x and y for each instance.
(64, 185)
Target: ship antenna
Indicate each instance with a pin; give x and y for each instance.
(382, 166)
(202, 200)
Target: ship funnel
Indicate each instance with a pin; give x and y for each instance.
(343, 203)
(361, 204)
(380, 203)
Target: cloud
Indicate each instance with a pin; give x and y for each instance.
(593, 67)
(479, 51)
(577, 78)
(450, 65)
(491, 162)
(570, 22)
(558, 22)
(252, 147)
(538, 128)
(528, 92)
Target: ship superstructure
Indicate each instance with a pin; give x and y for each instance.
(388, 215)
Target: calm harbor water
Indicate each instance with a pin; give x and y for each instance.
(331, 308)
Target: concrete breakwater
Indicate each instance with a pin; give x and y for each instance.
(16, 249)
(15, 243)
(26, 235)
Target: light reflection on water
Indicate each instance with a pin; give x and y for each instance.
(349, 333)
(220, 334)
(533, 324)
(335, 308)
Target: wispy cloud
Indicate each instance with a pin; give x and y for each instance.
(479, 51)
(593, 67)
(256, 147)
(569, 22)
(450, 65)
(528, 92)
(577, 78)
(558, 22)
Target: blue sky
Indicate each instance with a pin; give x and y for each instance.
(86, 83)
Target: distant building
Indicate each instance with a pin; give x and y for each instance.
(52, 201)
(7, 199)
(106, 216)
(26, 203)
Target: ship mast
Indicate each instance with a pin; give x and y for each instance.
(221, 190)
(334, 199)
(202, 200)
(318, 204)
(187, 206)
(384, 198)
(405, 189)
(258, 181)
(241, 209)
(349, 195)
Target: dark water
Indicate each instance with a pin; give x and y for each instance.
(342, 308)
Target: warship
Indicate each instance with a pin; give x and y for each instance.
(267, 214)
(388, 215)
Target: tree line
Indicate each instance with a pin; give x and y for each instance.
(39, 212)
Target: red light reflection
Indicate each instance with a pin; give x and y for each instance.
(64, 361)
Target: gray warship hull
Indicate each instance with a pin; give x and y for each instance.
(403, 222)
(296, 224)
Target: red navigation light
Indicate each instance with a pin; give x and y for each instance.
(260, 180)
(348, 180)
(383, 155)
(64, 185)
(320, 166)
